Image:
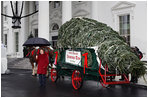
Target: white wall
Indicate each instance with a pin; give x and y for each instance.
(138, 26)
(82, 9)
(139, 34)
(105, 13)
(10, 34)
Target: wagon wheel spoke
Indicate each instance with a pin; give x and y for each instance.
(53, 75)
(78, 84)
(76, 79)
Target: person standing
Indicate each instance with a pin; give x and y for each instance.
(43, 62)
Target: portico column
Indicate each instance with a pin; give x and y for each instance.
(95, 10)
(23, 34)
(1, 22)
(43, 16)
(66, 11)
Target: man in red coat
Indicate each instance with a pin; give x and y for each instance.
(43, 62)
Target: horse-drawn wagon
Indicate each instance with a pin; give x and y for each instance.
(82, 64)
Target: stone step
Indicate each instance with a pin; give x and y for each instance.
(19, 63)
(13, 61)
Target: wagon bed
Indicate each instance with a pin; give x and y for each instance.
(67, 65)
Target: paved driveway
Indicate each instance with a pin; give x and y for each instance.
(20, 83)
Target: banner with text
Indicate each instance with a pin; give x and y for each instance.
(73, 57)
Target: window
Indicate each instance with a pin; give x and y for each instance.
(16, 41)
(56, 4)
(54, 44)
(5, 12)
(122, 12)
(5, 36)
(124, 27)
(54, 41)
(36, 33)
(55, 27)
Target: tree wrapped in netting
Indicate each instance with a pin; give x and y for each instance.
(112, 48)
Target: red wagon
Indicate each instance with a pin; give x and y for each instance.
(74, 63)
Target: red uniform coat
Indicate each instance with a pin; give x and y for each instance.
(42, 63)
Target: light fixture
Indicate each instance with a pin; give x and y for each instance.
(16, 18)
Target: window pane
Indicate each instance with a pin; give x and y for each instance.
(124, 27)
(125, 19)
(128, 17)
(121, 25)
(16, 41)
(6, 39)
(128, 26)
(36, 33)
(128, 31)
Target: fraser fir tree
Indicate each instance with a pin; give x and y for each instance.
(112, 48)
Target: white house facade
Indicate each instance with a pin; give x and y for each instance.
(127, 18)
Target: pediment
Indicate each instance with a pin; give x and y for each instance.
(122, 5)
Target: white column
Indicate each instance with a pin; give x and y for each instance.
(26, 20)
(94, 10)
(43, 16)
(31, 10)
(66, 11)
(11, 35)
(2, 22)
(23, 34)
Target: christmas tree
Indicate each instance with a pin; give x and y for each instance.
(111, 47)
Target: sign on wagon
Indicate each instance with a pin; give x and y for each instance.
(73, 57)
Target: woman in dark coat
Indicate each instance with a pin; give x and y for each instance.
(43, 62)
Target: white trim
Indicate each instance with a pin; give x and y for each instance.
(123, 5)
(119, 11)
